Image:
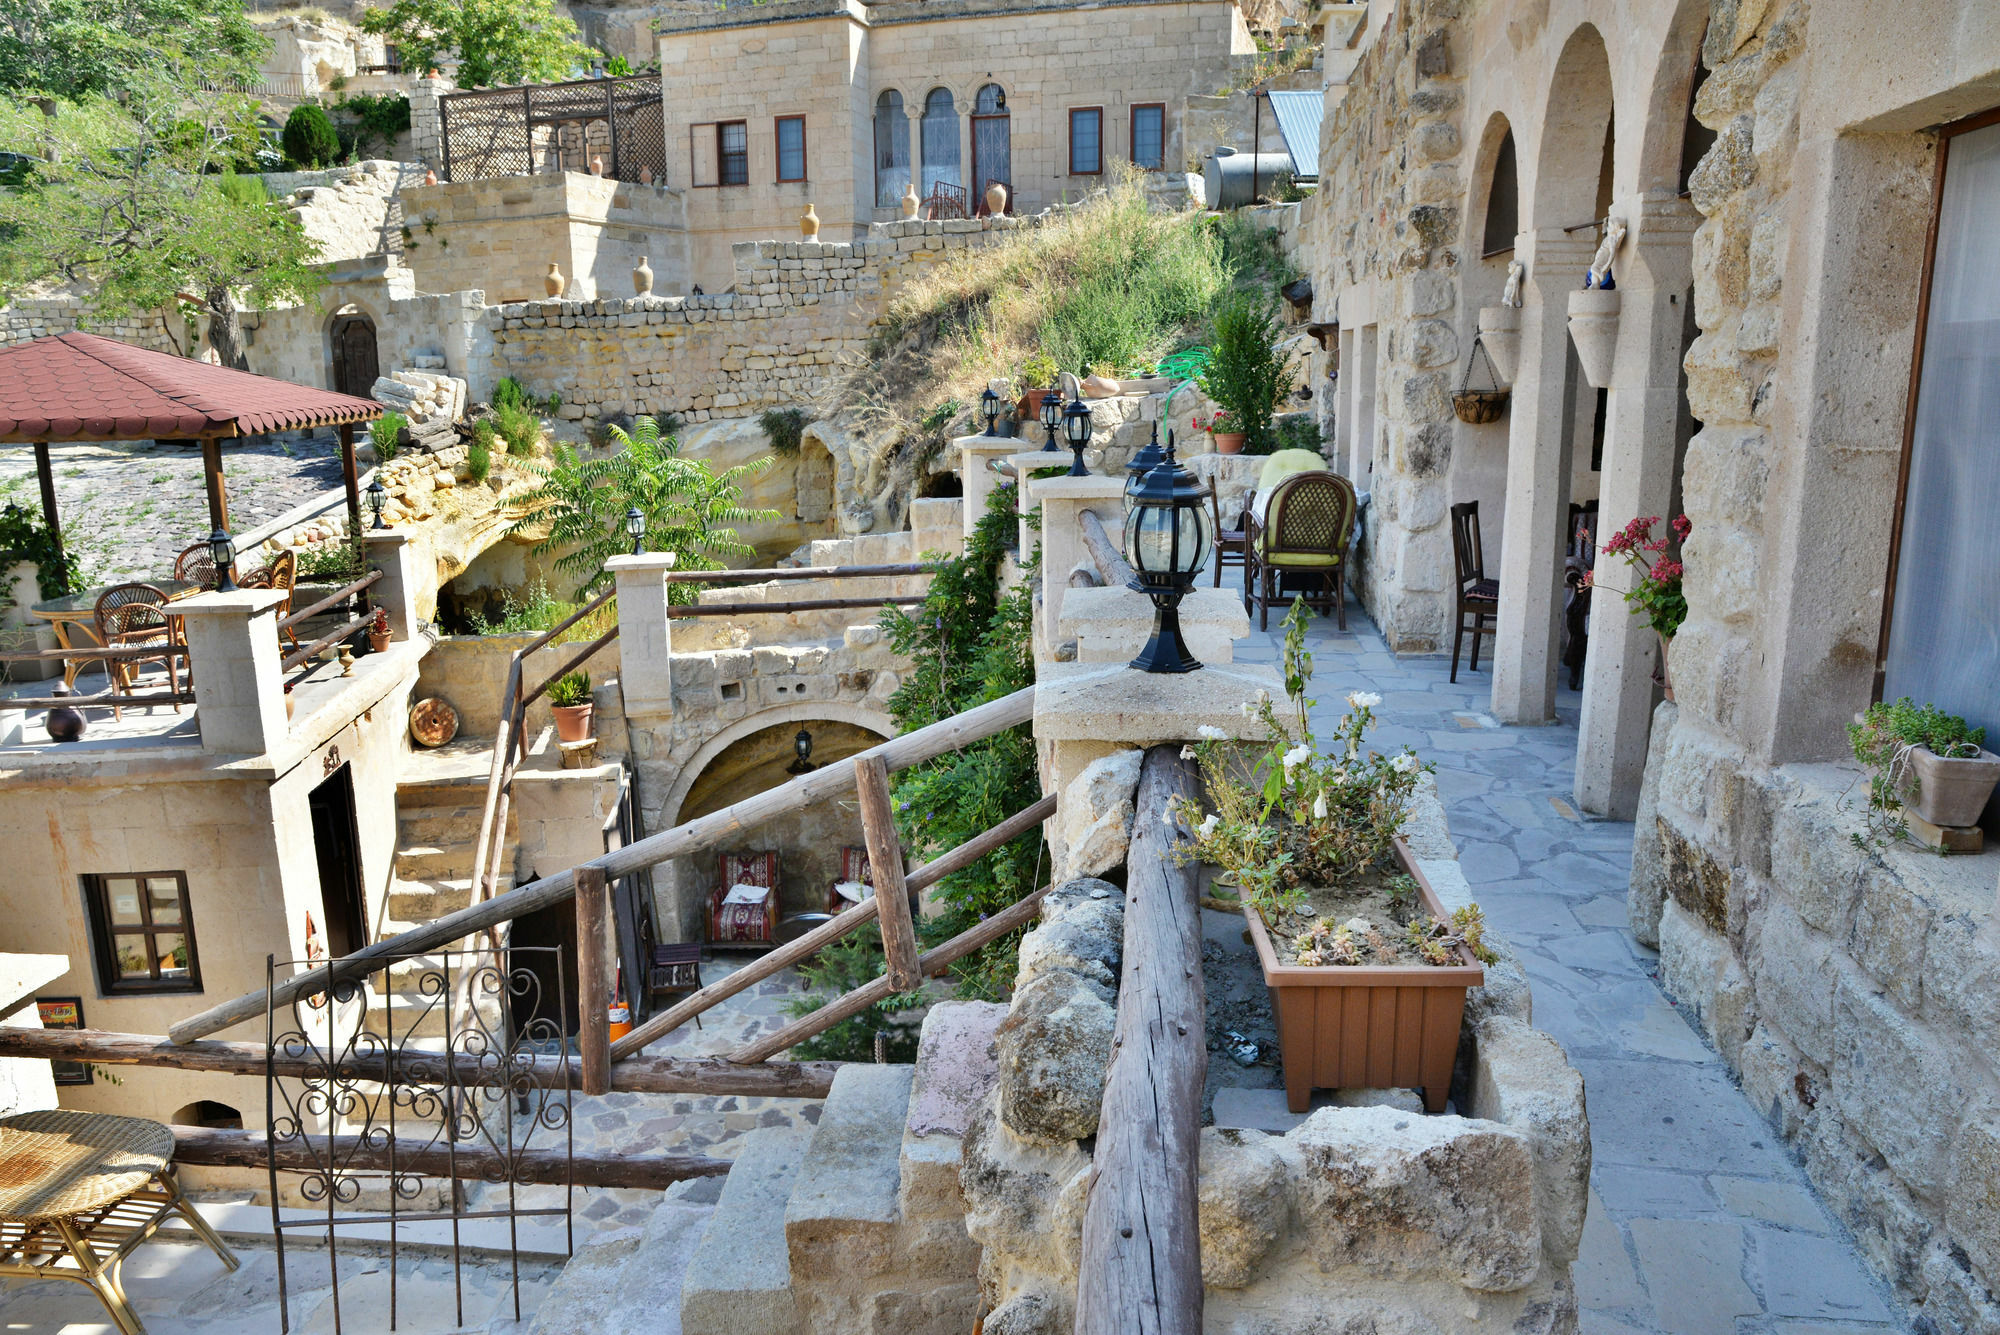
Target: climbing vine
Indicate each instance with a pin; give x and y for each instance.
(24, 537)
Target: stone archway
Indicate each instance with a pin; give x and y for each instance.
(356, 355)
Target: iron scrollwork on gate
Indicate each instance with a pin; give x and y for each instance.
(431, 1106)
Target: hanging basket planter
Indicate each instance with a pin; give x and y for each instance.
(1477, 407)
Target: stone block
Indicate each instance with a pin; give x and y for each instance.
(1523, 1079)
(1244, 1203)
(1017, 1194)
(740, 1281)
(955, 1070)
(1891, 923)
(1094, 819)
(1700, 970)
(1054, 1048)
(1897, 1084)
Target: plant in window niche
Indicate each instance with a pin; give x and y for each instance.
(1923, 762)
(1306, 828)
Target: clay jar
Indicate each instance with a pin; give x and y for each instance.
(911, 204)
(553, 280)
(996, 199)
(809, 224)
(642, 278)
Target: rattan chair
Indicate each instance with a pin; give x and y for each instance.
(197, 566)
(1478, 596)
(1302, 531)
(282, 574)
(1227, 544)
(134, 616)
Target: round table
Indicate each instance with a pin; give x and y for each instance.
(80, 610)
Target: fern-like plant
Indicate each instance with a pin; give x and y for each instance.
(691, 510)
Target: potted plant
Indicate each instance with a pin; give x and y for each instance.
(1925, 761)
(1246, 376)
(378, 631)
(1038, 375)
(1222, 429)
(1367, 969)
(569, 701)
(1656, 592)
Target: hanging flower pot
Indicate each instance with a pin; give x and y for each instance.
(1500, 332)
(1479, 406)
(1593, 327)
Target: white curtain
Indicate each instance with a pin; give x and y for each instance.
(1944, 633)
(940, 136)
(892, 150)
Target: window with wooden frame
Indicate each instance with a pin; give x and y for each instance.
(791, 136)
(732, 152)
(1086, 141)
(142, 932)
(1941, 612)
(1149, 135)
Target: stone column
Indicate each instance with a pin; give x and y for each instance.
(1538, 459)
(1024, 464)
(1641, 426)
(389, 552)
(1063, 501)
(975, 471)
(645, 644)
(239, 690)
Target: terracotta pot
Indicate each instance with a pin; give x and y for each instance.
(1665, 681)
(809, 224)
(996, 198)
(553, 280)
(1229, 442)
(1368, 1026)
(1029, 409)
(378, 641)
(572, 722)
(1949, 791)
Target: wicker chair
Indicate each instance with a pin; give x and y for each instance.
(196, 566)
(134, 616)
(282, 574)
(1302, 531)
(1478, 596)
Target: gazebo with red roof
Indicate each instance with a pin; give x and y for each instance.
(74, 387)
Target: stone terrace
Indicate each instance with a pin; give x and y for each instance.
(1701, 1222)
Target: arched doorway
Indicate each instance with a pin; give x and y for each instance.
(892, 149)
(992, 145)
(356, 363)
(939, 131)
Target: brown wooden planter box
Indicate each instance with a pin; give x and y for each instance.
(1369, 1026)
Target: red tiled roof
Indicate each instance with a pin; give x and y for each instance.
(83, 387)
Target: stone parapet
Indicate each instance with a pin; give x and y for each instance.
(232, 641)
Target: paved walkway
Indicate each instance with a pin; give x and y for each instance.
(1701, 1222)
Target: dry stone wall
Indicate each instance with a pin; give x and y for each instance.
(42, 317)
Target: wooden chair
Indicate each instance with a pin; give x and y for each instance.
(675, 967)
(134, 616)
(751, 924)
(853, 870)
(1228, 548)
(1478, 596)
(196, 566)
(1302, 531)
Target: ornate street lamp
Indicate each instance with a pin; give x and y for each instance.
(378, 500)
(1076, 430)
(1145, 460)
(1051, 418)
(222, 554)
(802, 745)
(1166, 540)
(989, 408)
(635, 524)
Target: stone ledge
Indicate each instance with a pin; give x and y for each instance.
(1098, 703)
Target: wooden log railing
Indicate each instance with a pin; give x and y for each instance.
(1140, 1269)
(693, 836)
(108, 698)
(305, 652)
(1112, 566)
(219, 1147)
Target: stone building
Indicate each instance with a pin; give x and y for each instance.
(1795, 356)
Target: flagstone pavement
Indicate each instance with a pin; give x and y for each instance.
(1701, 1221)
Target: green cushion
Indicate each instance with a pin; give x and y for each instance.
(1287, 462)
(1299, 559)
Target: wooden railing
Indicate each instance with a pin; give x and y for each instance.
(305, 651)
(109, 698)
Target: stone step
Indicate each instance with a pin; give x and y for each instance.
(439, 826)
(740, 1282)
(419, 860)
(626, 1281)
(412, 902)
(840, 1227)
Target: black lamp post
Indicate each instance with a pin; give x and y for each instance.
(989, 408)
(635, 524)
(1051, 418)
(1076, 430)
(802, 745)
(222, 554)
(1145, 460)
(378, 500)
(1166, 540)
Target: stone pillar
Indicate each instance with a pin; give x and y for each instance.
(936, 525)
(427, 120)
(1538, 459)
(389, 552)
(239, 691)
(1063, 501)
(975, 471)
(1640, 444)
(645, 644)
(1024, 463)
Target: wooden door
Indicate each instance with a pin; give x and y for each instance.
(355, 364)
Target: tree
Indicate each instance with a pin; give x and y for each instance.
(129, 202)
(74, 48)
(495, 41)
(690, 508)
(309, 138)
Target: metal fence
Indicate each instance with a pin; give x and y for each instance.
(557, 127)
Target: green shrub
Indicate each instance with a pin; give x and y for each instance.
(479, 454)
(854, 961)
(382, 435)
(509, 393)
(1246, 374)
(783, 427)
(1297, 431)
(570, 689)
(309, 137)
(520, 428)
(376, 118)
(242, 190)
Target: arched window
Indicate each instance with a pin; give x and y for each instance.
(1503, 201)
(992, 148)
(892, 149)
(940, 136)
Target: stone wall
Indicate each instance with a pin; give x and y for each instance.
(295, 342)
(41, 317)
(350, 211)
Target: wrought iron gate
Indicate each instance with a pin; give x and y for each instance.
(557, 127)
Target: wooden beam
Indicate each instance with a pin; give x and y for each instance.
(885, 869)
(593, 988)
(1111, 563)
(979, 846)
(45, 474)
(640, 1075)
(1140, 1271)
(349, 478)
(211, 473)
(227, 1148)
(693, 836)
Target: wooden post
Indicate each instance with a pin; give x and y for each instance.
(211, 472)
(593, 988)
(47, 477)
(1140, 1271)
(885, 868)
(349, 479)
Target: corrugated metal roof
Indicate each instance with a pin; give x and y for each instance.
(1298, 115)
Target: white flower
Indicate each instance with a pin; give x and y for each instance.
(1297, 756)
(1263, 696)
(1208, 732)
(1364, 699)
(1319, 807)
(1208, 826)
(1247, 708)
(1404, 764)
(1187, 753)
(1167, 819)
